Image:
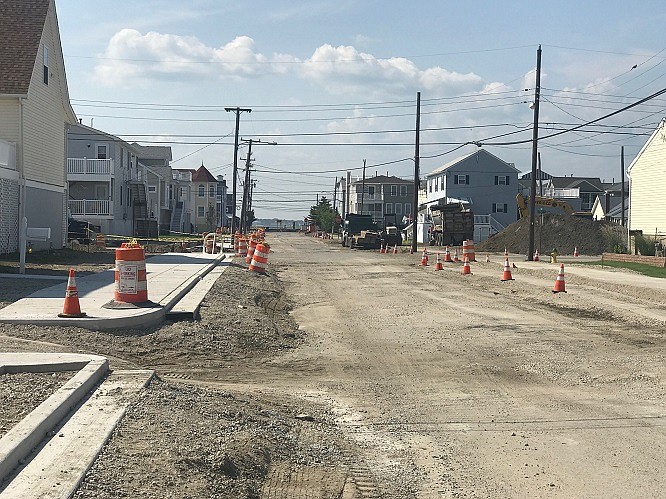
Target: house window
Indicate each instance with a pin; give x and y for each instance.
(202, 191)
(501, 180)
(102, 151)
(461, 179)
(408, 208)
(500, 208)
(371, 191)
(152, 188)
(389, 208)
(129, 199)
(436, 184)
(200, 211)
(403, 191)
(398, 209)
(394, 190)
(46, 65)
(211, 191)
(430, 182)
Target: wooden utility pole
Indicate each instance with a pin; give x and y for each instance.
(246, 189)
(415, 201)
(622, 180)
(535, 139)
(237, 111)
(335, 198)
(363, 189)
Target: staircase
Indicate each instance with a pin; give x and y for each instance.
(177, 218)
(144, 226)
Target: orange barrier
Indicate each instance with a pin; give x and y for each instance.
(242, 247)
(466, 270)
(259, 258)
(237, 237)
(250, 249)
(468, 250)
(100, 241)
(130, 273)
(559, 282)
(506, 276)
(71, 308)
(438, 263)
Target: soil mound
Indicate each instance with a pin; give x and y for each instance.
(562, 232)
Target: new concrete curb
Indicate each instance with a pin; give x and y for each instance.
(19, 442)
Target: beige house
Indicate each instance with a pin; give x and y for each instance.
(34, 115)
(647, 186)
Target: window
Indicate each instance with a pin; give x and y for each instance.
(371, 191)
(121, 196)
(200, 211)
(202, 191)
(394, 190)
(152, 188)
(501, 180)
(500, 208)
(430, 185)
(211, 191)
(461, 179)
(403, 191)
(389, 208)
(408, 208)
(46, 65)
(129, 199)
(398, 209)
(102, 151)
(436, 184)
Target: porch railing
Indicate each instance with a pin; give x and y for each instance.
(86, 166)
(87, 207)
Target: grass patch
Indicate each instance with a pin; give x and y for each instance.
(641, 268)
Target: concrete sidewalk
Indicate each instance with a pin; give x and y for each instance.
(169, 277)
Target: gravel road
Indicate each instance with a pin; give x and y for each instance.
(352, 374)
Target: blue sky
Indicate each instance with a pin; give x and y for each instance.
(318, 73)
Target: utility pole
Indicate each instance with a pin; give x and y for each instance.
(348, 193)
(363, 189)
(535, 138)
(415, 201)
(246, 189)
(237, 111)
(622, 180)
(335, 199)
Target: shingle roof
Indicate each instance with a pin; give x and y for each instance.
(462, 158)
(203, 175)
(572, 182)
(383, 179)
(21, 27)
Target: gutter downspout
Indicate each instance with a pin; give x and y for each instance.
(22, 220)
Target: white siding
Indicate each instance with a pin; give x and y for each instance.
(9, 120)
(648, 186)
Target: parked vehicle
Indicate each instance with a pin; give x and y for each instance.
(82, 231)
(355, 224)
(453, 223)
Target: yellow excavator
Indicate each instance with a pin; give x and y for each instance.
(552, 205)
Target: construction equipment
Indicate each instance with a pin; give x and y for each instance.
(453, 223)
(360, 230)
(550, 205)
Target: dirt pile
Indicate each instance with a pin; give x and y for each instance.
(563, 232)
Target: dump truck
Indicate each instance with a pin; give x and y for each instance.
(359, 230)
(453, 223)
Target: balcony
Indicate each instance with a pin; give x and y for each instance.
(90, 208)
(89, 170)
(181, 176)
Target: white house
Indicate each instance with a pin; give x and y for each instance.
(647, 185)
(34, 115)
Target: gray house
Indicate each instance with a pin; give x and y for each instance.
(488, 184)
(382, 196)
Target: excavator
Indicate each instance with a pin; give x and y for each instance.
(551, 205)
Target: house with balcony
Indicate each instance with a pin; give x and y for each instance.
(222, 207)
(157, 160)
(382, 196)
(181, 199)
(35, 113)
(205, 201)
(579, 192)
(483, 181)
(108, 184)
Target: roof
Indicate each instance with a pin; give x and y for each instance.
(21, 27)
(383, 179)
(466, 156)
(202, 175)
(572, 182)
(661, 130)
(153, 152)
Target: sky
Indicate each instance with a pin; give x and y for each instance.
(334, 83)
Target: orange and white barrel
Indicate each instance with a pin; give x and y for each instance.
(250, 249)
(242, 247)
(130, 272)
(237, 237)
(470, 250)
(260, 258)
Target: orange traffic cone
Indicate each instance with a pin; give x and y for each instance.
(575, 253)
(559, 282)
(424, 258)
(447, 254)
(506, 253)
(71, 307)
(487, 258)
(395, 249)
(438, 264)
(466, 267)
(381, 249)
(455, 255)
(411, 250)
(506, 276)
(536, 255)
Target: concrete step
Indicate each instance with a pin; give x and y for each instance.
(61, 461)
(188, 306)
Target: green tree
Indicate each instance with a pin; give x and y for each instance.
(323, 215)
(210, 218)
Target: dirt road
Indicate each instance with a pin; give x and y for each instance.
(481, 388)
(350, 374)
